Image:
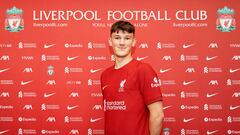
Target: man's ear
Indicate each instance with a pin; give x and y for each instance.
(134, 42)
(110, 41)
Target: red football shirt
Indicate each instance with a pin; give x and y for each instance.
(127, 92)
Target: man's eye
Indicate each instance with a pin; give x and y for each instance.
(117, 37)
(127, 38)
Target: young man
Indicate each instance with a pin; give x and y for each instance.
(131, 93)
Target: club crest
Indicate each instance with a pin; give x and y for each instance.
(225, 21)
(14, 21)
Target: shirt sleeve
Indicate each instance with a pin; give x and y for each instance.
(149, 85)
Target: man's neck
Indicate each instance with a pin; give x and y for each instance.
(120, 62)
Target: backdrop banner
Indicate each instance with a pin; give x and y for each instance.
(52, 54)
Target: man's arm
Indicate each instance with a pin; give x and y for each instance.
(155, 117)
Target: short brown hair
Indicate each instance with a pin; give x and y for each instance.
(124, 26)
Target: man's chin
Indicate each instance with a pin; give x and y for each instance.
(121, 55)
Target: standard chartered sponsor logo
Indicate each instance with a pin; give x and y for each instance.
(189, 57)
(92, 45)
(22, 45)
(190, 131)
(184, 94)
(156, 82)
(26, 131)
(115, 105)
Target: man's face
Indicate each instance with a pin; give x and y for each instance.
(122, 43)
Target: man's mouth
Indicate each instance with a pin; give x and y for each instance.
(122, 48)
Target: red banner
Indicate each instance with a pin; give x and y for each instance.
(52, 54)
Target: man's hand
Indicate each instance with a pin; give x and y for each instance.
(155, 117)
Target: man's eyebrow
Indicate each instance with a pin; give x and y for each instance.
(129, 35)
(124, 35)
(116, 35)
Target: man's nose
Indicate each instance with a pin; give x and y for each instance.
(122, 42)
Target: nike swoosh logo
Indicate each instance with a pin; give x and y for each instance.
(234, 70)
(48, 95)
(72, 107)
(211, 132)
(94, 120)
(187, 83)
(141, 58)
(48, 46)
(25, 82)
(165, 70)
(234, 107)
(166, 107)
(71, 58)
(3, 70)
(96, 70)
(211, 95)
(211, 58)
(187, 46)
(2, 132)
(187, 120)
(104, 87)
